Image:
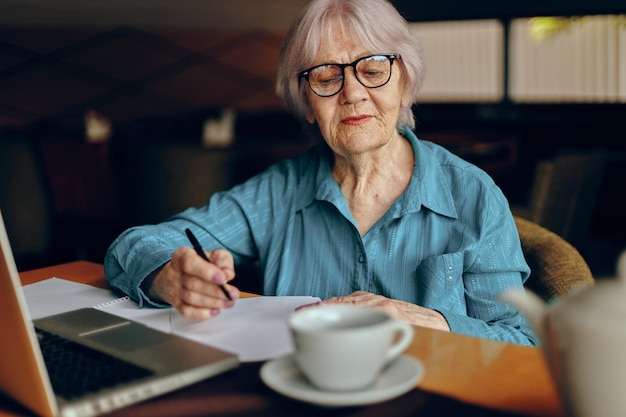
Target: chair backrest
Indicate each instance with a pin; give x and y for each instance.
(556, 266)
(564, 194)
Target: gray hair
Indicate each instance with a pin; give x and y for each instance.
(376, 23)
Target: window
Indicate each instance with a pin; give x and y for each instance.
(464, 60)
(550, 60)
(556, 59)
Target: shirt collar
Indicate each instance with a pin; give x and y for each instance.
(428, 177)
(429, 186)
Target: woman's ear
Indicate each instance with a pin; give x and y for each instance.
(310, 117)
(407, 99)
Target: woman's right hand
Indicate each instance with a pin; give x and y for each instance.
(192, 285)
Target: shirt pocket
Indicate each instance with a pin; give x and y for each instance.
(440, 282)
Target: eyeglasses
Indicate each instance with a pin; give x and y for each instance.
(372, 71)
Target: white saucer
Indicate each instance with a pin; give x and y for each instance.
(283, 376)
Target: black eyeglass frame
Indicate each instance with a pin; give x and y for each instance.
(305, 74)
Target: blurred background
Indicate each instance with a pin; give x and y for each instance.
(115, 113)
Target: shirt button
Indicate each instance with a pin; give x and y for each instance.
(361, 259)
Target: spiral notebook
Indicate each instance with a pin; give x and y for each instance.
(255, 329)
(150, 362)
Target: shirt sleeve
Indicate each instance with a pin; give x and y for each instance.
(224, 222)
(141, 250)
(137, 253)
(493, 265)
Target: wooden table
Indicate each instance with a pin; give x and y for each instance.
(465, 376)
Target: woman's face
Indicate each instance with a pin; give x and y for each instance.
(357, 119)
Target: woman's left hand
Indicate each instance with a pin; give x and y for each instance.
(399, 310)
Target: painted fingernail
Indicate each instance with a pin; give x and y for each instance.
(218, 278)
(215, 312)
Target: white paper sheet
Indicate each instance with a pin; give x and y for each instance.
(255, 329)
(56, 295)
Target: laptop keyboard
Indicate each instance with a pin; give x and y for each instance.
(76, 370)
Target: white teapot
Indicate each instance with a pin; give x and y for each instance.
(583, 337)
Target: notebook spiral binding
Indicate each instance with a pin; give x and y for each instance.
(108, 304)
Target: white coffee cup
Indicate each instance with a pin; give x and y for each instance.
(343, 347)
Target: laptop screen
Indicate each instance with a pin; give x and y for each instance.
(25, 379)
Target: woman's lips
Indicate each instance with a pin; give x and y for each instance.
(356, 120)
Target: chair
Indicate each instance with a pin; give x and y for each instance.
(563, 195)
(556, 266)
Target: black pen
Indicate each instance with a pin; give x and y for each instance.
(200, 252)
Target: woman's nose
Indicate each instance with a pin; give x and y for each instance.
(352, 90)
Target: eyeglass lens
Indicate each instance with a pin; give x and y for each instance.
(372, 71)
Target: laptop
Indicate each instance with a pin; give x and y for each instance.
(117, 362)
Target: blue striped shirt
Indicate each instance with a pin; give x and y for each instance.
(448, 243)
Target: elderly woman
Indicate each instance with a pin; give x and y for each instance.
(373, 216)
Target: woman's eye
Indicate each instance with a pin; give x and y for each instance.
(372, 73)
(328, 81)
